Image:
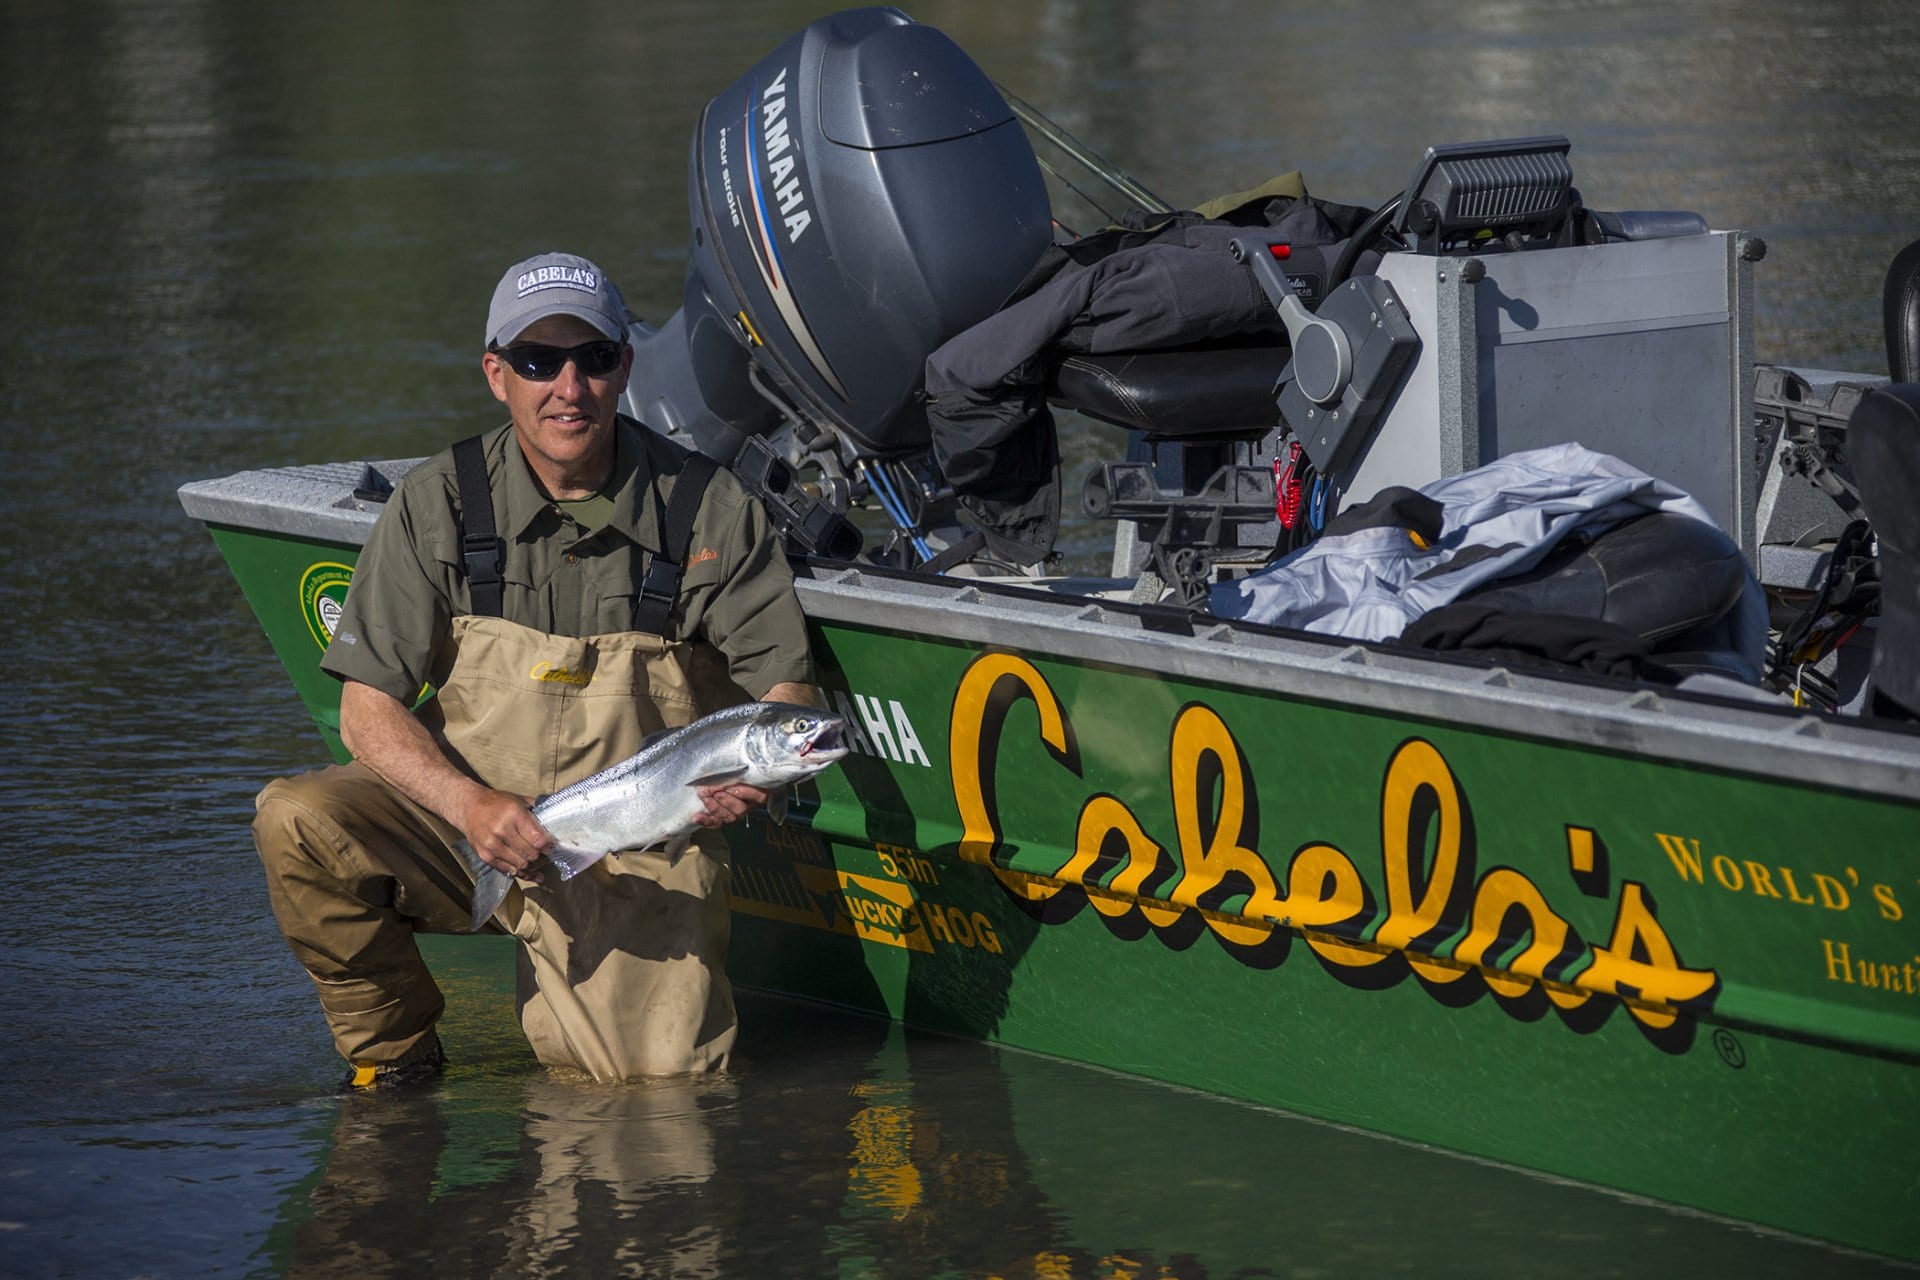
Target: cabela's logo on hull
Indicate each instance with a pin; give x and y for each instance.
(1435, 920)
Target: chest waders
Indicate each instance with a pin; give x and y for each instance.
(622, 969)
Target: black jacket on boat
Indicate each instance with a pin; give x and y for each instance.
(1169, 282)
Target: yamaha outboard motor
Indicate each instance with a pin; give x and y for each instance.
(860, 196)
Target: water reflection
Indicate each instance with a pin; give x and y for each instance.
(559, 1177)
(635, 1155)
(849, 1147)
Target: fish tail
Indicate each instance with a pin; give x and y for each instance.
(490, 884)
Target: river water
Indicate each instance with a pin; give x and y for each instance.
(235, 236)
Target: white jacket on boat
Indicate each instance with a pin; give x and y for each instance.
(1496, 521)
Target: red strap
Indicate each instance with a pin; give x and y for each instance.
(1287, 489)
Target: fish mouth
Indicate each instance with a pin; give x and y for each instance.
(825, 744)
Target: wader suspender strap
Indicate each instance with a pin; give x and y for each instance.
(661, 585)
(480, 544)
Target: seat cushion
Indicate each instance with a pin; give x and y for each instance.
(1213, 392)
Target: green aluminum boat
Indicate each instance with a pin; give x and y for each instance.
(1661, 939)
(1657, 942)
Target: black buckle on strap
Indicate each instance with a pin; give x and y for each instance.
(659, 590)
(660, 585)
(485, 557)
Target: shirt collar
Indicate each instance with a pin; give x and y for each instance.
(633, 498)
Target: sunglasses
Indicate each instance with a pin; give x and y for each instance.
(537, 362)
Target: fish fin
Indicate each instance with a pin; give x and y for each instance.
(672, 846)
(719, 779)
(570, 861)
(777, 802)
(490, 884)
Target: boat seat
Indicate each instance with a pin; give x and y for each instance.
(1667, 578)
(1192, 483)
(1213, 393)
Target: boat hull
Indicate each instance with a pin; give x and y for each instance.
(1658, 946)
(1752, 1106)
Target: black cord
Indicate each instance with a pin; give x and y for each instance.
(1360, 241)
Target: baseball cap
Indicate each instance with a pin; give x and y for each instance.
(554, 284)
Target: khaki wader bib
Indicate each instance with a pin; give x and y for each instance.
(622, 969)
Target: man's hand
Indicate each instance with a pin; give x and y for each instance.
(504, 832)
(384, 736)
(728, 802)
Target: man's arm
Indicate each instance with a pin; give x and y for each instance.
(384, 736)
(801, 695)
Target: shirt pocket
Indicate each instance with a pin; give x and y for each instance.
(522, 600)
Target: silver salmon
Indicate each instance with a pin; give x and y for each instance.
(648, 800)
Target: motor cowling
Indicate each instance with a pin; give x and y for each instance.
(858, 197)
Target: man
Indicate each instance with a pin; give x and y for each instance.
(527, 577)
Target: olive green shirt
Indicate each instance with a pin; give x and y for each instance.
(736, 591)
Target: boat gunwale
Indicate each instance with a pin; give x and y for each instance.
(1616, 716)
(1724, 735)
